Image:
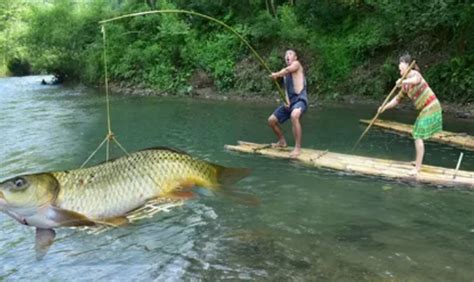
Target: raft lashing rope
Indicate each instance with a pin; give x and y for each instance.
(110, 135)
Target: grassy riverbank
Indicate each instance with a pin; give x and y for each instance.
(453, 109)
(348, 48)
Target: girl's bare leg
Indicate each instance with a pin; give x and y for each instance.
(420, 152)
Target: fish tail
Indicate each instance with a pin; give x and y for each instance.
(226, 176)
(229, 175)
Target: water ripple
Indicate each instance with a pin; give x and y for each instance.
(308, 224)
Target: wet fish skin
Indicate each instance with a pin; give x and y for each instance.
(105, 193)
(121, 185)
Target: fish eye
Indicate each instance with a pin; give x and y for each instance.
(19, 183)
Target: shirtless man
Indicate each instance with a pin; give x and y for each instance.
(296, 101)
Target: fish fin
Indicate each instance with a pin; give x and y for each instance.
(230, 175)
(44, 239)
(70, 218)
(180, 190)
(185, 185)
(226, 176)
(181, 195)
(114, 221)
(152, 207)
(239, 197)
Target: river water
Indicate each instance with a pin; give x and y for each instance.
(310, 224)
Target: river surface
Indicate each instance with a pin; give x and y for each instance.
(310, 224)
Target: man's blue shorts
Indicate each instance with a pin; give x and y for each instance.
(283, 114)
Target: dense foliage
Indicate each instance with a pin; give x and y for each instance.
(12, 30)
(346, 46)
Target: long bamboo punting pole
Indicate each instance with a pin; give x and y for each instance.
(383, 105)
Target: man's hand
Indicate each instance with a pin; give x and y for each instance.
(274, 75)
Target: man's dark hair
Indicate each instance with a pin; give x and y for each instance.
(291, 49)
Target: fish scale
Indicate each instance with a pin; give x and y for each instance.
(149, 173)
(108, 193)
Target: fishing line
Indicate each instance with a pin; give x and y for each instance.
(177, 11)
(110, 135)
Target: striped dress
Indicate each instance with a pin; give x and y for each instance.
(430, 118)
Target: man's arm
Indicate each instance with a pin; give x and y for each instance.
(284, 71)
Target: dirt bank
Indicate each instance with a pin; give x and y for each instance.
(209, 92)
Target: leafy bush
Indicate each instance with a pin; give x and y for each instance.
(345, 46)
(12, 29)
(19, 67)
(290, 30)
(264, 29)
(59, 47)
(453, 80)
(217, 55)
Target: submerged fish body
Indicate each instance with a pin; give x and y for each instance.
(105, 193)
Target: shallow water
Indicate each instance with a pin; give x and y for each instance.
(310, 224)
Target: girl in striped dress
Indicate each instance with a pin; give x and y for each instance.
(430, 119)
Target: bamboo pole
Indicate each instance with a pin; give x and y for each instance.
(461, 139)
(383, 105)
(458, 165)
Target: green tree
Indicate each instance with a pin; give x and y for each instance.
(60, 46)
(12, 27)
(346, 46)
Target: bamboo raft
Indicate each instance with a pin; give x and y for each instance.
(390, 169)
(462, 140)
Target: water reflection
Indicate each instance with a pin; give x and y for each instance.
(311, 224)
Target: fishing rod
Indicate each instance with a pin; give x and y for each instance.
(110, 135)
(177, 11)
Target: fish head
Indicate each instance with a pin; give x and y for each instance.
(28, 191)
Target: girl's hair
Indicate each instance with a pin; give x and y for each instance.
(406, 58)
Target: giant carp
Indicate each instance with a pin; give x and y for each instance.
(104, 194)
